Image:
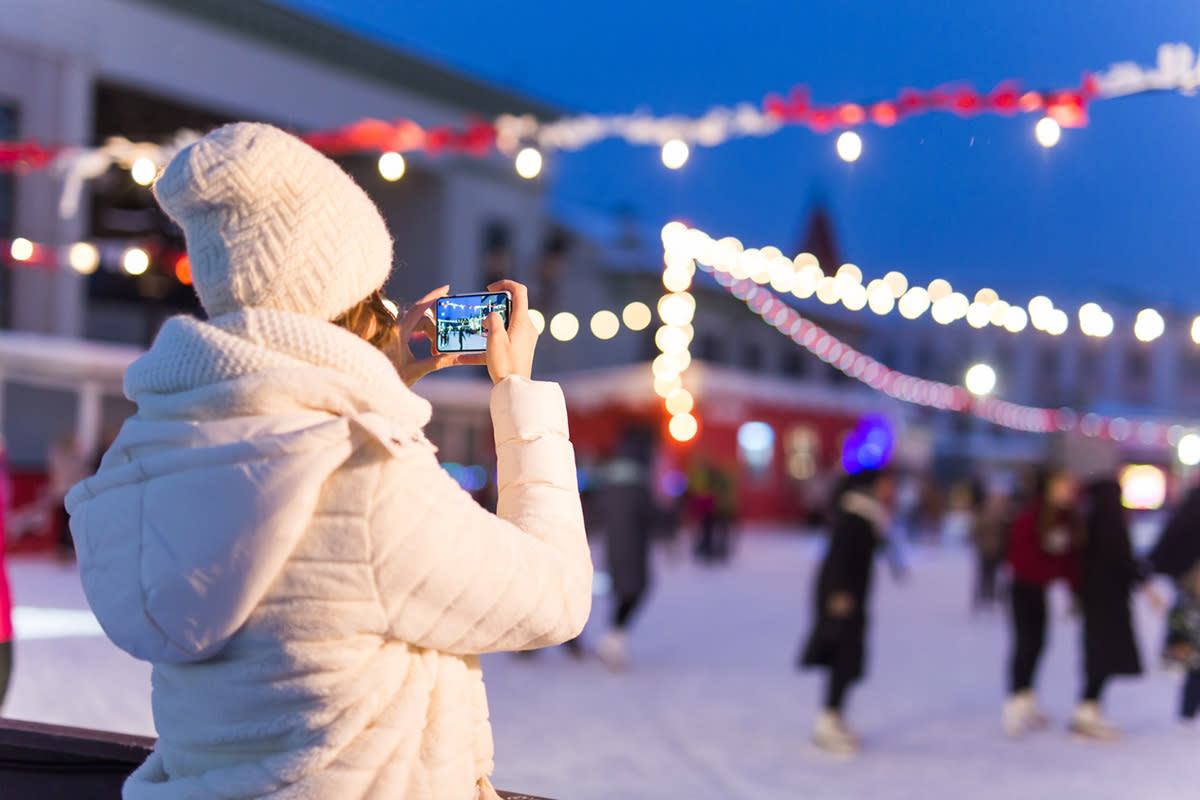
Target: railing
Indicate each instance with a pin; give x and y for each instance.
(53, 761)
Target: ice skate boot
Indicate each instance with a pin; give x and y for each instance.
(831, 735)
(1089, 723)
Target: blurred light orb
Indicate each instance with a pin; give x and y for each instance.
(605, 324)
(143, 172)
(675, 153)
(1149, 325)
(636, 316)
(135, 261)
(529, 163)
(392, 166)
(1188, 449)
(683, 427)
(1196, 330)
(84, 258)
(564, 326)
(21, 249)
(1047, 132)
(538, 320)
(849, 146)
(680, 401)
(391, 306)
(980, 380)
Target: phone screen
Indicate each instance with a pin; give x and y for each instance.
(460, 317)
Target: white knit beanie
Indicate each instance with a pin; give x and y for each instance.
(272, 223)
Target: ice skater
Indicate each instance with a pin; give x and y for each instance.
(1109, 574)
(837, 642)
(1043, 548)
(272, 530)
(627, 515)
(1183, 641)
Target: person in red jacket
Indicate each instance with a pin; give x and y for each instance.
(6, 630)
(1044, 547)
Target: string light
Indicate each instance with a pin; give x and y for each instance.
(1047, 131)
(683, 427)
(21, 249)
(1149, 325)
(392, 166)
(84, 258)
(143, 171)
(605, 325)
(1196, 330)
(675, 153)
(980, 380)
(538, 320)
(680, 401)
(636, 316)
(183, 274)
(849, 146)
(135, 261)
(529, 163)
(564, 326)
(1188, 449)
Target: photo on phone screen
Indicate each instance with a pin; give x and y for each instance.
(460, 317)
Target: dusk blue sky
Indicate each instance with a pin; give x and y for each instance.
(1113, 209)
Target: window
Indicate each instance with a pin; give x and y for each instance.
(801, 448)
(752, 356)
(497, 252)
(709, 348)
(795, 363)
(756, 448)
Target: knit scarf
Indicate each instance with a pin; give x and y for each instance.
(261, 361)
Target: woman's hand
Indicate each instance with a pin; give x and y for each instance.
(510, 352)
(417, 320)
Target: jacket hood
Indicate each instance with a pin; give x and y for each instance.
(207, 490)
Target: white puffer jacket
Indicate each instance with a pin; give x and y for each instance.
(273, 532)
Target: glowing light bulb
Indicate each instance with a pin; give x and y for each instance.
(1188, 449)
(539, 320)
(392, 166)
(21, 249)
(143, 172)
(564, 325)
(1047, 132)
(391, 306)
(605, 325)
(980, 380)
(135, 261)
(529, 163)
(849, 146)
(881, 300)
(897, 283)
(84, 258)
(939, 288)
(680, 401)
(636, 316)
(1015, 319)
(675, 153)
(1196, 330)
(1149, 325)
(683, 427)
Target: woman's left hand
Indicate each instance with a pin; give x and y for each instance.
(416, 320)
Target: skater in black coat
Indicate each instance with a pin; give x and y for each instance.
(1110, 573)
(1178, 548)
(837, 642)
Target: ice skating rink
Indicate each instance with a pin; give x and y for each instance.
(712, 707)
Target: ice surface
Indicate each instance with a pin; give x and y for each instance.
(712, 707)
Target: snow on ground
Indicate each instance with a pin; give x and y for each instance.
(713, 708)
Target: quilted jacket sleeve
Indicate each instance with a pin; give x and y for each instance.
(456, 578)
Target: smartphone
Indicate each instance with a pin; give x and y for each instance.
(459, 320)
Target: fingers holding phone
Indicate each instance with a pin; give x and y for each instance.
(510, 351)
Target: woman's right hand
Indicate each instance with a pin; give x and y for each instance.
(510, 352)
